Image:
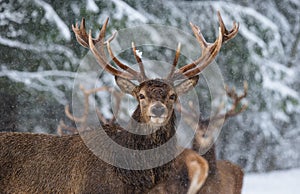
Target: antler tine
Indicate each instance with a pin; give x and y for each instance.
(104, 64)
(203, 44)
(209, 53)
(245, 91)
(236, 101)
(175, 61)
(83, 119)
(100, 56)
(227, 35)
(209, 50)
(80, 33)
(143, 76)
(87, 41)
(116, 60)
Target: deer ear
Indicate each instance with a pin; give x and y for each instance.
(186, 85)
(125, 85)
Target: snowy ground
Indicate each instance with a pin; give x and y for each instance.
(277, 182)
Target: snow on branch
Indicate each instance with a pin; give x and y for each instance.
(92, 6)
(46, 81)
(123, 8)
(38, 48)
(7, 15)
(278, 86)
(52, 16)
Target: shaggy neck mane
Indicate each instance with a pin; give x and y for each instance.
(142, 179)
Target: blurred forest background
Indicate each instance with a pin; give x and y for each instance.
(39, 58)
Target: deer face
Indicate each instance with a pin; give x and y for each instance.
(156, 97)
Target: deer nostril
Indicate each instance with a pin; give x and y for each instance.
(158, 110)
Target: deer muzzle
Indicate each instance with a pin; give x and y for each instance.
(158, 113)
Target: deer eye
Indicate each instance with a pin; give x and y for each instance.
(141, 96)
(173, 97)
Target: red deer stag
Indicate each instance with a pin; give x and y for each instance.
(224, 176)
(191, 168)
(36, 163)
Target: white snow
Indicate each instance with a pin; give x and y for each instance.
(123, 8)
(139, 53)
(278, 86)
(48, 81)
(52, 16)
(40, 47)
(92, 6)
(277, 182)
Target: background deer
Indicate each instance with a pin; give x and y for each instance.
(191, 173)
(39, 163)
(223, 176)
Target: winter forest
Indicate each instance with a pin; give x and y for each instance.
(40, 57)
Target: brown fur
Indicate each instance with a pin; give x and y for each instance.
(223, 177)
(191, 173)
(154, 90)
(147, 178)
(157, 90)
(37, 163)
(45, 163)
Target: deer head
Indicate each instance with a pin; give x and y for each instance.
(156, 97)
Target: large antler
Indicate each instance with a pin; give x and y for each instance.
(204, 136)
(83, 119)
(191, 115)
(209, 50)
(96, 45)
(235, 109)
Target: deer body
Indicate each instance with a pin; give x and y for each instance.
(223, 176)
(51, 164)
(37, 163)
